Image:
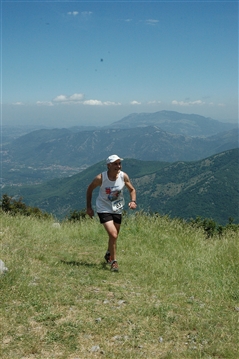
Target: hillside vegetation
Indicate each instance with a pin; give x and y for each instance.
(175, 296)
(206, 188)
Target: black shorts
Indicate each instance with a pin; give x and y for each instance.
(106, 217)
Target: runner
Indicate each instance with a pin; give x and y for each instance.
(110, 202)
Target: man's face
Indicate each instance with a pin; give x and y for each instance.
(115, 166)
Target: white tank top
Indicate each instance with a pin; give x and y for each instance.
(110, 198)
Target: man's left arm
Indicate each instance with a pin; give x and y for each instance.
(132, 204)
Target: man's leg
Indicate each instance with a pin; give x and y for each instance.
(112, 229)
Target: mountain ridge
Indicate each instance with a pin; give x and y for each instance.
(45, 154)
(175, 122)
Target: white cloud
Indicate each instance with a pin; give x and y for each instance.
(93, 102)
(44, 103)
(198, 102)
(135, 103)
(110, 103)
(19, 103)
(153, 102)
(74, 13)
(75, 98)
(60, 98)
(151, 21)
(100, 103)
(187, 103)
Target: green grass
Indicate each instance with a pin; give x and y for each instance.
(176, 294)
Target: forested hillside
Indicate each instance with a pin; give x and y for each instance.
(206, 188)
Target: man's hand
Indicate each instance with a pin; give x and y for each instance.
(132, 205)
(90, 212)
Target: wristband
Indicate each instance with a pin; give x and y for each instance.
(134, 202)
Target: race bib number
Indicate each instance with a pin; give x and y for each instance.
(118, 204)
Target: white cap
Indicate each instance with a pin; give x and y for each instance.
(113, 158)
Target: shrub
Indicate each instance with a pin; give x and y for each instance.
(14, 207)
(211, 228)
(77, 215)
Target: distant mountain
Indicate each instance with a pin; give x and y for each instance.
(208, 188)
(84, 128)
(10, 133)
(45, 154)
(37, 156)
(175, 122)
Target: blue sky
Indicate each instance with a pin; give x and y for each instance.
(68, 63)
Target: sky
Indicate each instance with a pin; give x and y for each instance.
(78, 63)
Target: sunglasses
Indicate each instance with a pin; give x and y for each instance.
(117, 163)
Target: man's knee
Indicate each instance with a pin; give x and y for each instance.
(114, 235)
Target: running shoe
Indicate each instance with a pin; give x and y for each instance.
(114, 266)
(107, 257)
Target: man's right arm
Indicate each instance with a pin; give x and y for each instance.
(95, 183)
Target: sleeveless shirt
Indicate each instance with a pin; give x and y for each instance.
(109, 192)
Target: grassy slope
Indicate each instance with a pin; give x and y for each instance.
(176, 295)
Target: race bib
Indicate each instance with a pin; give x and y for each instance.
(118, 204)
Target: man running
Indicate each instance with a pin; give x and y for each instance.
(110, 202)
